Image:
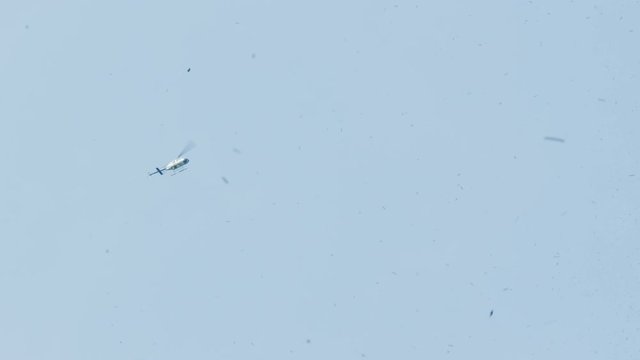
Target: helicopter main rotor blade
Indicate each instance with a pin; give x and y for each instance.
(187, 148)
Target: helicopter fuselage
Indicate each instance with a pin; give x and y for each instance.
(176, 164)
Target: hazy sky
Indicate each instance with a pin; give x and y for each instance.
(389, 180)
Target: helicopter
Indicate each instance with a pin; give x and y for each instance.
(176, 165)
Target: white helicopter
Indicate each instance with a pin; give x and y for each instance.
(177, 165)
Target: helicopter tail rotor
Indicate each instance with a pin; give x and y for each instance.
(158, 171)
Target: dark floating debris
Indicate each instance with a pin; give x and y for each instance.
(189, 70)
(553, 138)
(491, 313)
(225, 180)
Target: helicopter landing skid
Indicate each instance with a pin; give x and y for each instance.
(176, 172)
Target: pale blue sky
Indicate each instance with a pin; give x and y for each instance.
(391, 184)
